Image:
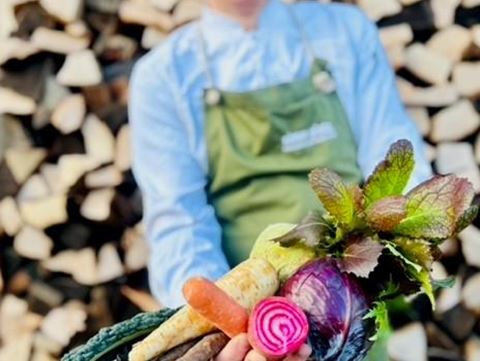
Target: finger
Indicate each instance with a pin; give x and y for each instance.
(254, 356)
(301, 355)
(235, 350)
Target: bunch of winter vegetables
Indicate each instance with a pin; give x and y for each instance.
(325, 280)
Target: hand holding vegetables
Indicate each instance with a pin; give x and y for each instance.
(339, 267)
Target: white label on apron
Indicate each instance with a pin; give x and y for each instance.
(307, 138)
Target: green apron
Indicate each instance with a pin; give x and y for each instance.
(262, 145)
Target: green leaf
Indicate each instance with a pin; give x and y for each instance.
(448, 282)
(311, 231)
(416, 250)
(391, 176)
(379, 313)
(466, 218)
(360, 257)
(435, 206)
(424, 278)
(385, 214)
(394, 251)
(338, 199)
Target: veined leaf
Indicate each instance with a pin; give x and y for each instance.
(361, 257)
(466, 218)
(435, 207)
(448, 282)
(394, 251)
(424, 278)
(379, 313)
(418, 251)
(385, 214)
(336, 197)
(311, 231)
(391, 176)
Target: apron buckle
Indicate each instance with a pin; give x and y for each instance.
(324, 82)
(212, 97)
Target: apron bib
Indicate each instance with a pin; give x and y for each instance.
(262, 145)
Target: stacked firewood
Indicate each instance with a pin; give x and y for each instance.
(72, 248)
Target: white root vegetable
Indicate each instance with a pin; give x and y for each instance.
(248, 283)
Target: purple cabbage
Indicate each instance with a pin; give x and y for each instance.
(335, 306)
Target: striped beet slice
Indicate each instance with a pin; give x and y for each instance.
(277, 327)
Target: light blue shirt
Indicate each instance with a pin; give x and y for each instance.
(167, 118)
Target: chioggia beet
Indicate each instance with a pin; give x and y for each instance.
(335, 307)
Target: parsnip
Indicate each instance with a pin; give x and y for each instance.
(248, 283)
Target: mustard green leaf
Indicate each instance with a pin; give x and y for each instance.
(408, 263)
(391, 176)
(379, 314)
(466, 218)
(423, 277)
(434, 208)
(360, 257)
(385, 214)
(416, 250)
(337, 199)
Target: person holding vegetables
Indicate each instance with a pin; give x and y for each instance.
(231, 113)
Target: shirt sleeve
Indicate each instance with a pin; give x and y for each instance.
(381, 118)
(182, 231)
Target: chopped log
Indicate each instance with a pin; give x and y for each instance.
(97, 204)
(458, 158)
(143, 300)
(51, 175)
(444, 12)
(97, 97)
(80, 69)
(81, 265)
(188, 10)
(45, 212)
(45, 343)
(42, 297)
(471, 294)
(115, 47)
(152, 36)
(430, 152)
(34, 188)
(449, 297)
(427, 64)
(10, 218)
(436, 96)
(22, 162)
(449, 247)
(408, 343)
(99, 140)
(18, 349)
(15, 319)
(396, 56)
(15, 103)
(69, 114)
(470, 3)
(438, 271)
(62, 323)
(466, 78)
(15, 48)
(71, 167)
(472, 349)
(475, 30)
(458, 322)
(13, 134)
(408, 2)
(164, 5)
(109, 264)
(8, 22)
(42, 355)
(19, 283)
(133, 12)
(123, 152)
(136, 249)
(33, 243)
(104, 6)
(396, 35)
(455, 122)
(108, 176)
(54, 93)
(437, 337)
(421, 118)
(470, 238)
(57, 41)
(78, 29)
(66, 11)
(378, 9)
(452, 42)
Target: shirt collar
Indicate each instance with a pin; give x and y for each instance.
(273, 16)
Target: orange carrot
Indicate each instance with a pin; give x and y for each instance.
(216, 306)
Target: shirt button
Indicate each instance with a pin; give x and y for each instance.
(212, 97)
(324, 82)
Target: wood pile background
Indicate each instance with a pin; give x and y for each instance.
(72, 250)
